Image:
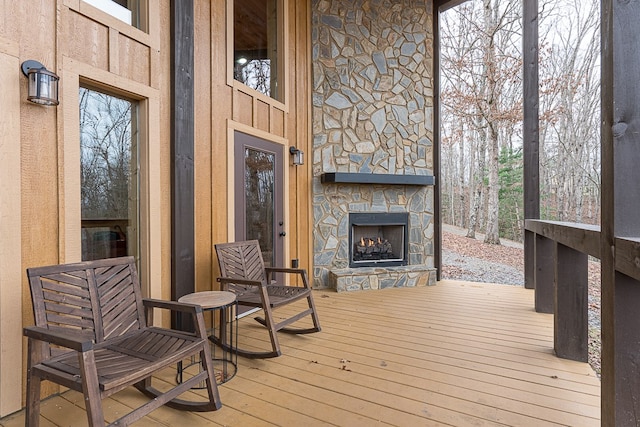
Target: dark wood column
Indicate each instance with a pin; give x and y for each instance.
(544, 273)
(437, 204)
(571, 329)
(531, 135)
(182, 151)
(620, 198)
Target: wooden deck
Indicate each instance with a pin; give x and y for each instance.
(458, 353)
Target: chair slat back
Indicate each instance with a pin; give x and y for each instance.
(241, 260)
(98, 299)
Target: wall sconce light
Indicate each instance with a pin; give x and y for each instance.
(43, 84)
(298, 156)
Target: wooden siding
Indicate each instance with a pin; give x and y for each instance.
(10, 226)
(83, 45)
(457, 353)
(204, 21)
(235, 106)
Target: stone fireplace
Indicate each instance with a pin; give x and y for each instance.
(372, 148)
(399, 214)
(378, 239)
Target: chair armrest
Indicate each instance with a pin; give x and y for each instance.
(301, 271)
(171, 305)
(61, 338)
(229, 280)
(194, 310)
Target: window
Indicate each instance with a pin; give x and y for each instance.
(125, 10)
(258, 45)
(108, 175)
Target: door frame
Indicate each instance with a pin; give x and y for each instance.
(232, 127)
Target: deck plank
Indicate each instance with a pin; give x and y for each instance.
(458, 353)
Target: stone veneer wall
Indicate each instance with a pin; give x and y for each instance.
(372, 113)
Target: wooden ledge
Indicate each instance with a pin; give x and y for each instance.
(376, 178)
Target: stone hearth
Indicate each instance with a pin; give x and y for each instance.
(355, 279)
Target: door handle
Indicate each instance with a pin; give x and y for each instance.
(282, 233)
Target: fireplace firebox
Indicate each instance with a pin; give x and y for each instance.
(378, 239)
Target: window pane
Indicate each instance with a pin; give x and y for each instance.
(108, 175)
(257, 34)
(259, 191)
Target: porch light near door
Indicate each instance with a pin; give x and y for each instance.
(298, 156)
(43, 84)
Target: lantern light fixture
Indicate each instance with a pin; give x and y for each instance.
(298, 156)
(43, 84)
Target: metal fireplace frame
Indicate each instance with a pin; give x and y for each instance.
(378, 219)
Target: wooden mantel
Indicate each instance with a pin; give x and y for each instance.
(376, 178)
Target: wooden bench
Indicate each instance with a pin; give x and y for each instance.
(94, 334)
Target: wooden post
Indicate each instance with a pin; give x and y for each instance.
(571, 327)
(437, 169)
(620, 198)
(182, 159)
(545, 266)
(531, 145)
(627, 350)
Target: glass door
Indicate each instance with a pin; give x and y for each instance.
(259, 192)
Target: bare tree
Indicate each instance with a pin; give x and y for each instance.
(570, 110)
(255, 73)
(462, 85)
(490, 112)
(482, 63)
(105, 140)
(482, 113)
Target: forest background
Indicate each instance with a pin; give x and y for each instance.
(481, 115)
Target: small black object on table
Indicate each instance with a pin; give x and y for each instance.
(225, 360)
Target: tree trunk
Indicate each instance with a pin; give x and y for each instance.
(461, 180)
(474, 211)
(492, 233)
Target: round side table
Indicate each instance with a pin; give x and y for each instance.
(223, 330)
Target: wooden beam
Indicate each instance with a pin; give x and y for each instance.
(182, 152)
(571, 327)
(437, 170)
(376, 178)
(581, 237)
(628, 257)
(627, 350)
(607, 259)
(531, 136)
(545, 267)
(620, 136)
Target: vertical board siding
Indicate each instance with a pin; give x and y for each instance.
(11, 80)
(204, 119)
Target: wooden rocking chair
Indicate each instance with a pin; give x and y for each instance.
(243, 272)
(94, 334)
